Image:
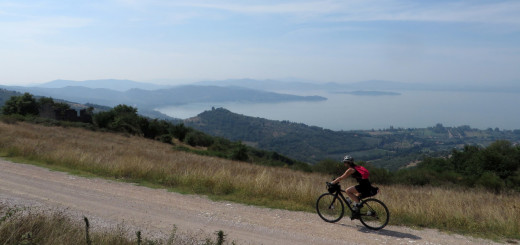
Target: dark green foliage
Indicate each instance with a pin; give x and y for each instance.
(240, 153)
(496, 167)
(165, 138)
(417, 176)
(329, 166)
(179, 131)
(379, 175)
(22, 105)
(155, 128)
(220, 144)
(197, 138)
(125, 119)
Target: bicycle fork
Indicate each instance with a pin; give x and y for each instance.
(331, 206)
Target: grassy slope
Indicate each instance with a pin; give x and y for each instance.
(140, 160)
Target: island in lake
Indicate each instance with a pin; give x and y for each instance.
(370, 93)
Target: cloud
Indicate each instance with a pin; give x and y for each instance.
(371, 10)
(38, 26)
(277, 8)
(504, 12)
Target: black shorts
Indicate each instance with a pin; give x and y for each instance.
(363, 189)
(366, 190)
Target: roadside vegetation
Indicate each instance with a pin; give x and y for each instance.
(472, 211)
(29, 226)
(475, 191)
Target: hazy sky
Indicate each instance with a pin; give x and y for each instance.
(325, 41)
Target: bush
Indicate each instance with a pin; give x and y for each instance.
(490, 181)
(179, 131)
(165, 138)
(22, 105)
(240, 153)
(329, 166)
(379, 175)
(196, 138)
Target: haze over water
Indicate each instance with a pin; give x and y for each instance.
(411, 109)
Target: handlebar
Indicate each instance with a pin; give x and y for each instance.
(333, 187)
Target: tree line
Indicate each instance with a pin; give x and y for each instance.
(496, 168)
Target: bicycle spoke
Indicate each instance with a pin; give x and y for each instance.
(374, 214)
(329, 207)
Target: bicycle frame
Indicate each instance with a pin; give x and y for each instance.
(340, 194)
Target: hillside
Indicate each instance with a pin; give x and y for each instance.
(391, 148)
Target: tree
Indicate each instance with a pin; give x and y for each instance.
(197, 138)
(121, 118)
(240, 153)
(23, 105)
(180, 131)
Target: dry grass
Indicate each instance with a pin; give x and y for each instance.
(28, 226)
(137, 159)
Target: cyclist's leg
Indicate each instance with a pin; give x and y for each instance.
(353, 193)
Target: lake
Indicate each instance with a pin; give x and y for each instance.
(410, 109)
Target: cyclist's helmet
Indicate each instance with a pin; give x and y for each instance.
(348, 159)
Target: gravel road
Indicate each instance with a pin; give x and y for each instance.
(156, 211)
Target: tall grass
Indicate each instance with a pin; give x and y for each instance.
(28, 226)
(136, 159)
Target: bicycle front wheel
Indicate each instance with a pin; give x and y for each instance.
(330, 207)
(374, 214)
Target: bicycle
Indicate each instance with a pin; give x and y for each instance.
(372, 213)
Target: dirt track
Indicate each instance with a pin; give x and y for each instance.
(153, 211)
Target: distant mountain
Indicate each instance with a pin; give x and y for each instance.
(113, 84)
(294, 85)
(150, 99)
(370, 85)
(269, 85)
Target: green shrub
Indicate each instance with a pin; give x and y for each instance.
(491, 181)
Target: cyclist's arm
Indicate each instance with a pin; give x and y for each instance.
(345, 175)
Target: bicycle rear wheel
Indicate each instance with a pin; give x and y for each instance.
(330, 207)
(374, 214)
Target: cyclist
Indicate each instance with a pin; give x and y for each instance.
(361, 175)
